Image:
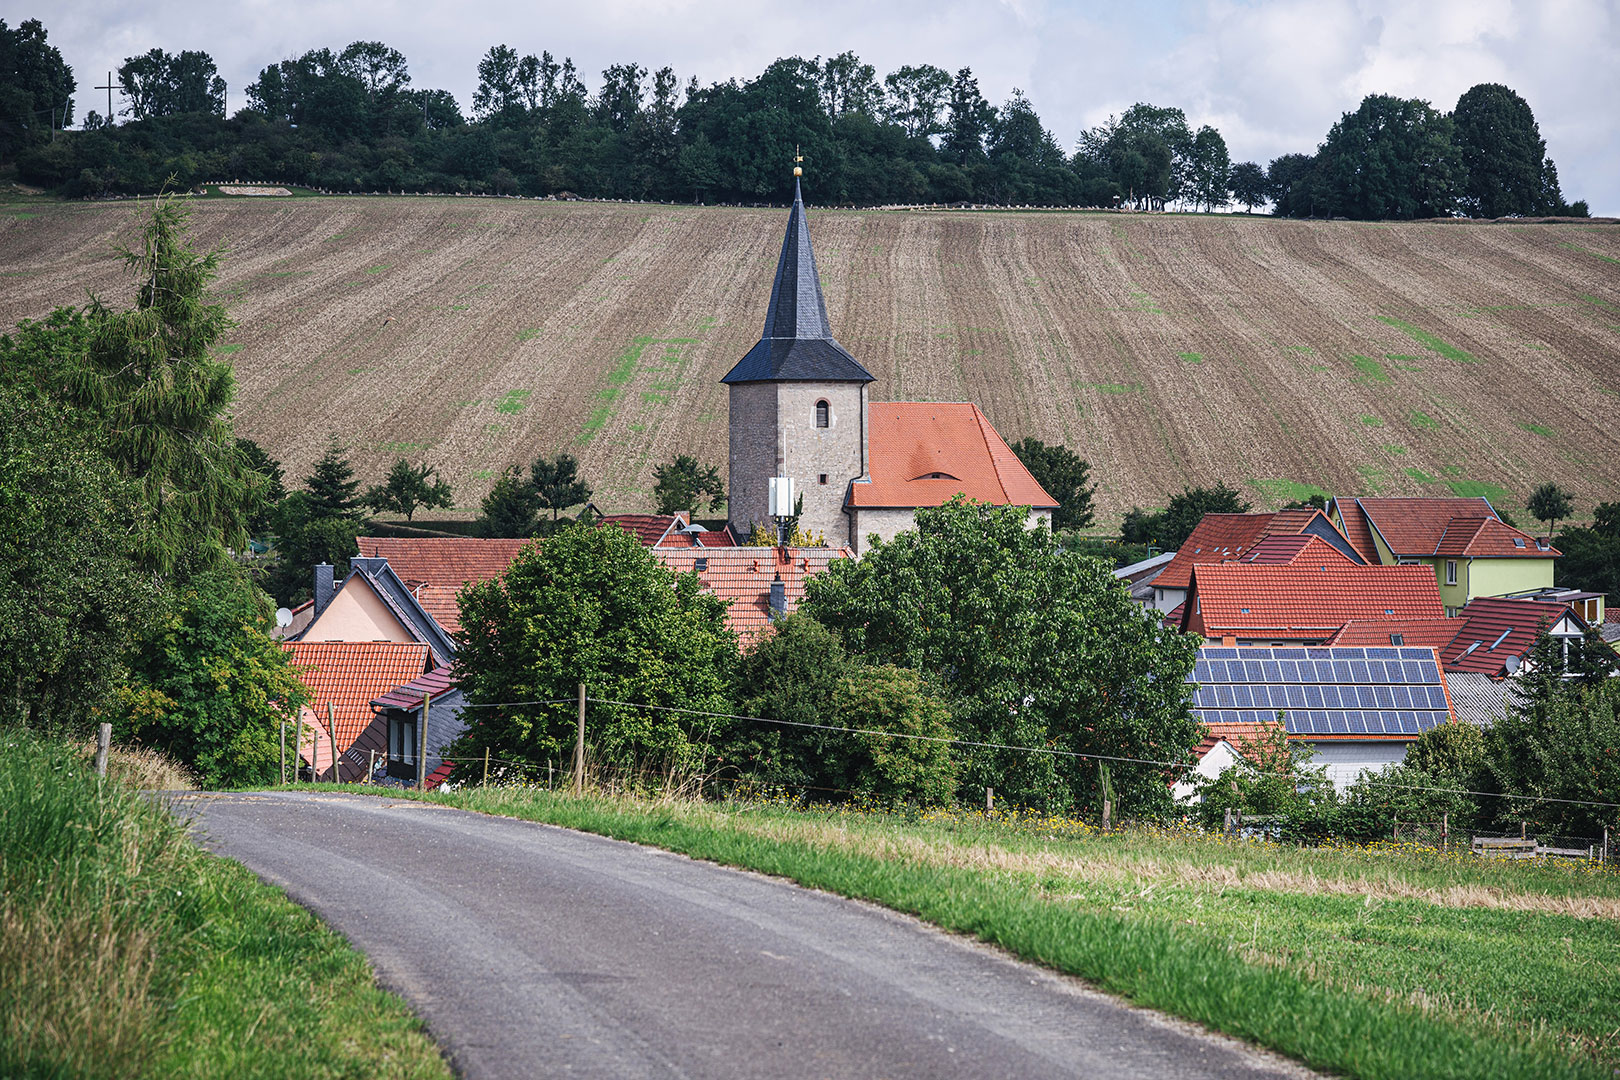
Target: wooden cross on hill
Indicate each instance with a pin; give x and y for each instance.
(110, 87)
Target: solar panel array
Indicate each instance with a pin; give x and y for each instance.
(1379, 691)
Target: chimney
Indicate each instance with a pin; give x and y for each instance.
(778, 598)
(325, 587)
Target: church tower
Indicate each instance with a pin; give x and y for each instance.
(798, 402)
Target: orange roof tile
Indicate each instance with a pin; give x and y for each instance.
(923, 453)
(448, 561)
(440, 602)
(1419, 527)
(1305, 602)
(1486, 537)
(1301, 550)
(648, 528)
(348, 675)
(743, 575)
(1418, 633)
(1357, 529)
(1240, 734)
(1229, 537)
(1494, 629)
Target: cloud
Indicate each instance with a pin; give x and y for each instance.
(1273, 76)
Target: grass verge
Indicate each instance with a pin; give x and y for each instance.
(1362, 962)
(127, 951)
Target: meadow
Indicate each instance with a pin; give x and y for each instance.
(127, 951)
(1376, 961)
(1276, 356)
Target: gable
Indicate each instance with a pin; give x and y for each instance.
(357, 613)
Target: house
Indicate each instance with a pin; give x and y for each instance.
(800, 409)
(1215, 755)
(371, 604)
(1230, 537)
(1358, 708)
(1471, 551)
(1496, 635)
(434, 569)
(343, 678)
(400, 714)
(1140, 576)
(1249, 603)
(762, 583)
(670, 530)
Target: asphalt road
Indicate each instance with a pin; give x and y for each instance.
(534, 951)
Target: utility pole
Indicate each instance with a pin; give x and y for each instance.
(579, 746)
(109, 88)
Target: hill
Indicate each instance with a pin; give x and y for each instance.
(1278, 356)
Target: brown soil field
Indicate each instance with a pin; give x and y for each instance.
(1169, 350)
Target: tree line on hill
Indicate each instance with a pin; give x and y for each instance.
(350, 120)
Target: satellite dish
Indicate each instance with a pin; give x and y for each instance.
(1511, 664)
(283, 616)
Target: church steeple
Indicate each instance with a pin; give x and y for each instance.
(797, 344)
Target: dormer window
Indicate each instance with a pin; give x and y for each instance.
(1518, 541)
(823, 414)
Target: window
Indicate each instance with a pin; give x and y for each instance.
(1518, 541)
(700, 565)
(823, 414)
(1397, 639)
(402, 745)
(823, 478)
(1451, 571)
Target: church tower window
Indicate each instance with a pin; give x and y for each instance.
(823, 413)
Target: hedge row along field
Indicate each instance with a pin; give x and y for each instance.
(1276, 356)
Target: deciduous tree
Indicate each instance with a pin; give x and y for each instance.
(683, 484)
(1550, 504)
(1249, 185)
(509, 508)
(407, 488)
(593, 606)
(1065, 475)
(1034, 646)
(557, 485)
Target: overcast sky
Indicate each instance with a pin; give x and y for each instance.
(1272, 76)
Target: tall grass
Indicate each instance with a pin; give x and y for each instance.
(126, 951)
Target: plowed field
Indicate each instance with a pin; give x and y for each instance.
(1273, 355)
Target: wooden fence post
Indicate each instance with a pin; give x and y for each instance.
(989, 800)
(103, 742)
(1605, 843)
(283, 752)
(1108, 815)
(486, 768)
(1445, 830)
(298, 746)
(1226, 822)
(371, 765)
(579, 746)
(421, 745)
(331, 741)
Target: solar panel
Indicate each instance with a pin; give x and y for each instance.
(1366, 692)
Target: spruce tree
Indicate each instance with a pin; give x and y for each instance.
(333, 490)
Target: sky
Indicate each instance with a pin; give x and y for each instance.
(1272, 76)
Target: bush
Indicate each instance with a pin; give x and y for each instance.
(1274, 778)
(918, 770)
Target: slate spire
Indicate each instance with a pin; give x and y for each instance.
(797, 344)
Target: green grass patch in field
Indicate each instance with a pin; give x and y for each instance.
(22, 215)
(1368, 370)
(1287, 491)
(1192, 357)
(1589, 251)
(1423, 337)
(1306, 349)
(1420, 419)
(1319, 367)
(1474, 489)
(528, 333)
(460, 307)
(1422, 477)
(1599, 302)
(226, 350)
(127, 951)
(1402, 362)
(1540, 429)
(1374, 478)
(653, 397)
(514, 402)
(1393, 448)
(379, 268)
(1113, 388)
(1371, 420)
(483, 474)
(1361, 962)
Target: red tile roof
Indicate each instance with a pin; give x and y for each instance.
(1418, 633)
(648, 528)
(743, 575)
(440, 602)
(1488, 538)
(1301, 550)
(1229, 537)
(409, 696)
(1239, 733)
(1305, 602)
(1495, 629)
(1443, 527)
(348, 675)
(922, 453)
(445, 562)
(1358, 530)
(709, 538)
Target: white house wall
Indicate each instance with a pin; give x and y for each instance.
(1346, 761)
